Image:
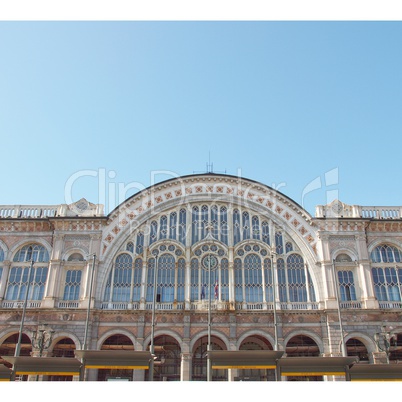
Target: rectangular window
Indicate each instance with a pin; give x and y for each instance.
(72, 285)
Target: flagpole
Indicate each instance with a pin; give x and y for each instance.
(18, 346)
(209, 377)
(152, 346)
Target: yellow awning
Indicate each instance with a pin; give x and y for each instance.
(244, 359)
(114, 359)
(316, 366)
(376, 372)
(44, 365)
(5, 373)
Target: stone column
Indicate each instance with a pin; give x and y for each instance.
(52, 284)
(3, 282)
(364, 272)
(139, 375)
(185, 367)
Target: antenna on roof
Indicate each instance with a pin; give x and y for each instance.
(209, 166)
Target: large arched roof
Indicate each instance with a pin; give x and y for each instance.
(202, 176)
(184, 190)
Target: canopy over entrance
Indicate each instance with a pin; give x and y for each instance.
(316, 366)
(5, 373)
(244, 359)
(27, 365)
(114, 359)
(376, 372)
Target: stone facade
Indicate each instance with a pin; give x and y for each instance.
(277, 277)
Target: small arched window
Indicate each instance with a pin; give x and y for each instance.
(75, 257)
(386, 253)
(18, 281)
(343, 258)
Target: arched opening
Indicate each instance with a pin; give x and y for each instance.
(354, 347)
(395, 355)
(256, 342)
(168, 359)
(302, 346)
(7, 348)
(199, 363)
(65, 347)
(116, 342)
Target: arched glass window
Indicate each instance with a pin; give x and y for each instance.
(269, 295)
(173, 225)
(346, 285)
(150, 280)
(387, 277)
(253, 278)
(32, 252)
(166, 280)
(181, 275)
(18, 279)
(256, 227)
(130, 247)
(283, 296)
(153, 235)
(238, 280)
(224, 225)
(72, 285)
(265, 232)
(289, 247)
(296, 279)
(195, 225)
(137, 280)
(279, 242)
(215, 221)
(205, 289)
(194, 280)
(122, 278)
(386, 253)
(204, 221)
(139, 247)
(163, 227)
(224, 289)
(182, 226)
(236, 226)
(246, 225)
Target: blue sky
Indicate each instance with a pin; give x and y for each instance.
(312, 108)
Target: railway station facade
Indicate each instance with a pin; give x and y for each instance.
(238, 265)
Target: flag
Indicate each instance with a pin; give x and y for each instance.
(216, 290)
(203, 293)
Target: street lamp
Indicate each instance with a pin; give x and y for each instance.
(152, 346)
(209, 262)
(41, 340)
(343, 346)
(384, 341)
(89, 302)
(273, 255)
(18, 347)
(85, 346)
